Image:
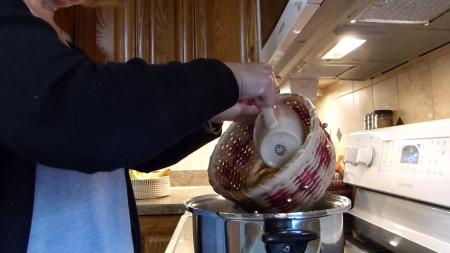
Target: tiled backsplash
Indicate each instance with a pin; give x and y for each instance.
(417, 91)
(188, 178)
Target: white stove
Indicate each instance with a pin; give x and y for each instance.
(402, 203)
(403, 179)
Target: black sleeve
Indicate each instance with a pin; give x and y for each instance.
(178, 151)
(60, 108)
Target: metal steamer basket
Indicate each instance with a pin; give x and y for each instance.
(220, 226)
(237, 173)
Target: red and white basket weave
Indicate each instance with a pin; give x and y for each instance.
(237, 173)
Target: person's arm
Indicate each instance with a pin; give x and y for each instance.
(180, 150)
(61, 109)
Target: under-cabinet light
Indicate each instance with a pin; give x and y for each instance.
(344, 47)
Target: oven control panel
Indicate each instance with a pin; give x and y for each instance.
(421, 158)
(410, 160)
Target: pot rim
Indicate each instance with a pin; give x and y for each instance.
(340, 205)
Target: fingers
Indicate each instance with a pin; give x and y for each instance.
(256, 82)
(237, 111)
(268, 96)
(248, 110)
(273, 99)
(277, 98)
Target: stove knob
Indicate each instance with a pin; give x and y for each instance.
(350, 155)
(365, 156)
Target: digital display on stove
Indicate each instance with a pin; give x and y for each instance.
(410, 154)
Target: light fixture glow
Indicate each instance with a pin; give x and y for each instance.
(353, 21)
(344, 47)
(394, 242)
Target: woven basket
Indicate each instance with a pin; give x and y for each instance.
(237, 173)
(151, 188)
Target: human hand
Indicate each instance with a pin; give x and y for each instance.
(242, 108)
(256, 82)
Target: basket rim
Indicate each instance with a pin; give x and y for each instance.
(155, 178)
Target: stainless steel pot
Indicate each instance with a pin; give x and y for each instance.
(222, 227)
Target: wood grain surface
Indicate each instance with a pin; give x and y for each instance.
(200, 29)
(104, 35)
(186, 29)
(223, 27)
(124, 31)
(157, 29)
(251, 31)
(156, 232)
(64, 19)
(160, 31)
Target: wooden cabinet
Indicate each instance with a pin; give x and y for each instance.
(156, 232)
(65, 18)
(103, 33)
(226, 30)
(160, 31)
(106, 33)
(164, 30)
(251, 31)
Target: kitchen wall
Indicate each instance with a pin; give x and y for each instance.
(199, 160)
(417, 91)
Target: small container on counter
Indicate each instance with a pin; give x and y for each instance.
(369, 121)
(374, 121)
(383, 118)
(378, 119)
(366, 122)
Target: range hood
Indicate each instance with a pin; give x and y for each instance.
(394, 31)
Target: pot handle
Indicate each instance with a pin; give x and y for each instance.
(288, 241)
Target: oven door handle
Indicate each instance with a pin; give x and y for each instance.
(288, 241)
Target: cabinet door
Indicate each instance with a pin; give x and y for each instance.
(227, 30)
(95, 32)
(251, 31)
(156, 232)
(64, 18)
(182, 30)
(219, 30)
(106, 33)
(156, 24)
(158, 31)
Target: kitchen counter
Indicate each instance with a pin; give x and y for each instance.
(172, 204)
